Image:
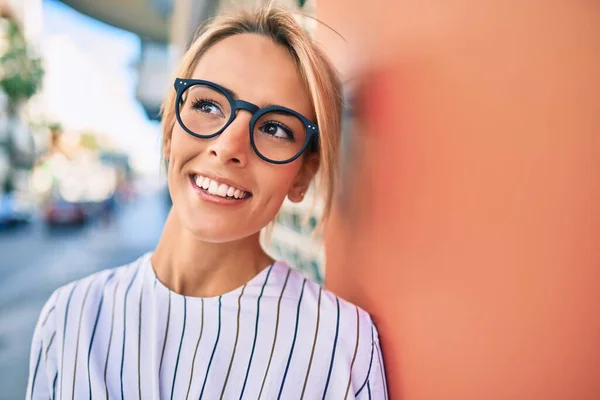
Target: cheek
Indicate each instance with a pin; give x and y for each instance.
(275, 181)
(184, 146)
(183, 149)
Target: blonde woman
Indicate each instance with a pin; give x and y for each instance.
(254, 115)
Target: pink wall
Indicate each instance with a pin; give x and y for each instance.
(471, 222)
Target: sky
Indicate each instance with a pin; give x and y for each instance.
(90, 82)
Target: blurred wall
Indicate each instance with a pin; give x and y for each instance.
(469, 220)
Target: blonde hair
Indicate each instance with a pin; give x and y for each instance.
(317, 72)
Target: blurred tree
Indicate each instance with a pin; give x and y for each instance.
(20, 71)
(20, 78)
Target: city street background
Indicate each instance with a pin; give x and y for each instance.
(37, 259)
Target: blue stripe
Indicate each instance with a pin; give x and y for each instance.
(62, 358)
(125, 325)
(287, 367)
(85, 296)
(369, 388)
(337, 331)
(180, 344)
(37, 365)
(255, 329)
(94, 333)
(213, 352)
(48, 314)
(54, 386)
(383, 378)
(370, 364)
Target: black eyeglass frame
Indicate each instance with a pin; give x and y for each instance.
(312, 130)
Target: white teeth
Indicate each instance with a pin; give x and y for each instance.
(217, 189)
(213, 188)
(222, 191)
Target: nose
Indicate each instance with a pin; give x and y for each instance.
(232, 146)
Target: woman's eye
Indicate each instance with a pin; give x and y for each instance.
(207, 107)
(277, 130)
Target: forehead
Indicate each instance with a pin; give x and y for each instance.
(257, 70)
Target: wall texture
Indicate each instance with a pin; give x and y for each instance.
(469, 222)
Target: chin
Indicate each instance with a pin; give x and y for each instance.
(217, 230)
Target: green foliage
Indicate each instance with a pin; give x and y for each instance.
(20, 71)
(57, 126)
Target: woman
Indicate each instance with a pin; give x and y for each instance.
(254, 115)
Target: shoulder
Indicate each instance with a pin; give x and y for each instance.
(311, 292)
(343, 327)
(337, 314)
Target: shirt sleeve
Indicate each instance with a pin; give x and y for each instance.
(377, 383)
(374, 386)
(43, 343)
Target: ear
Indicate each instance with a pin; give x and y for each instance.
(305, 176)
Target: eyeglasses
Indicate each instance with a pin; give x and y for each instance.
(278, 135)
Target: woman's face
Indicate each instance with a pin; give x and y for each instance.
(261, 72)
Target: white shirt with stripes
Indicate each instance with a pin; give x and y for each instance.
(121, 334)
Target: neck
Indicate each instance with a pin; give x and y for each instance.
(192, 267)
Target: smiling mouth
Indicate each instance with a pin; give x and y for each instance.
(214, 188)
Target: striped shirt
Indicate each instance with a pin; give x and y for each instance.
(121, 334)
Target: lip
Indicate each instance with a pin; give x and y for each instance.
(220, 179)
(215, 199)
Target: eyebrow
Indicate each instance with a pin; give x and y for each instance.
(273, 105)
(235, 96)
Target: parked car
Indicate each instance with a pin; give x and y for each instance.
(58, 211)
(12, 212)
